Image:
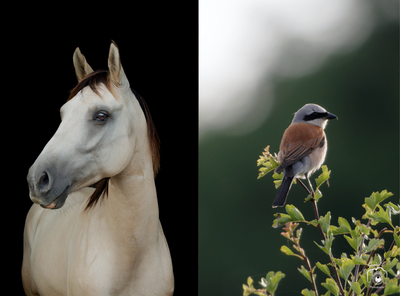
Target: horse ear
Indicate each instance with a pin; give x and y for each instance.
(82, 68)
(117, 73)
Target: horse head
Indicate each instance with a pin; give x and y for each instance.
(102, 128)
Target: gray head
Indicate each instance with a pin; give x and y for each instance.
(313, 114)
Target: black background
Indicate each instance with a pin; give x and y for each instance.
(158, 43)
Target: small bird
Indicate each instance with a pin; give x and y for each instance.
(303, 148)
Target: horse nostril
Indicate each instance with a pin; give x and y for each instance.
(44, 182)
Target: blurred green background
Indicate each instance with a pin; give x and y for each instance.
(235, 216)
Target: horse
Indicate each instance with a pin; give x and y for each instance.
(94, 226)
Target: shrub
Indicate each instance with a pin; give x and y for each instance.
(368, 270)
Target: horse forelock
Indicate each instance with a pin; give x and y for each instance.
(93, 80)
(102, 77)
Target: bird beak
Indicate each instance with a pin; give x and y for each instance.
(330, 116)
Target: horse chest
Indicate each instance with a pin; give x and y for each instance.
(74, 257)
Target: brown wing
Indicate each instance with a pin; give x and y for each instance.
(298, 141)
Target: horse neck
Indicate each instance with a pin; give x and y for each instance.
(132, 201)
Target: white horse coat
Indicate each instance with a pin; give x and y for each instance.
(116, 245)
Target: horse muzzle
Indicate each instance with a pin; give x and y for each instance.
(47, 189)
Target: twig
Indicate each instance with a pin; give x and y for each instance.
(330, 253)
(324, 238)
(304, 186)
(296, 242)
(317, 217)
(311, 274)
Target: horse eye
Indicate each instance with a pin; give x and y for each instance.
(101, 116)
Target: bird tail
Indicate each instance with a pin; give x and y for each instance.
(283, 191)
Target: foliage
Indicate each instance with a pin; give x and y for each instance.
(369, 270)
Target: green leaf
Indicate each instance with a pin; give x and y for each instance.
(344, 224)
(364, 229)
(338, 230)
(325, 222)
(307, 292)
(363, 279)
(278, 180)
(268, 161)
(370, 202)
(377, 260)
(346, 266)
(394, 252)
(374, 244)
(323, 177)
(395, 207)
(322, 248)
(346, 269)
(246, 290)
(376, 197)
(334, 229)
(294, 213)
(277, 183)
(392, 209)
(281, 219)
(356, 288)
(390, 264)
(324, 268)
(381, 217)
(374, 232)
(317, 196)
(392, 287)
(277, 277)
(305, 272)
(272, 279)
(396, 236)
(249, 281)
(352, 242)
(382, 195)
(314, 223)
(357, 260)
(274, 161)
(327, 244)
(289, 252)
(331, 286)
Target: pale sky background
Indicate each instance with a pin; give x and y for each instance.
(242, 41)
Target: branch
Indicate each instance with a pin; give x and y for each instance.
(324, 238)
(317, 217)
(304, 186)
(311, 274)
(296, 242)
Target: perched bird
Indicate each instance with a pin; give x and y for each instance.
(303, 148)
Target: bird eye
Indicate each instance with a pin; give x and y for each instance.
(101, 116)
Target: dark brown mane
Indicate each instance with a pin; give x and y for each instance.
(93, 80)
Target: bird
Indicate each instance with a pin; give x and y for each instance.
(303, 148)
